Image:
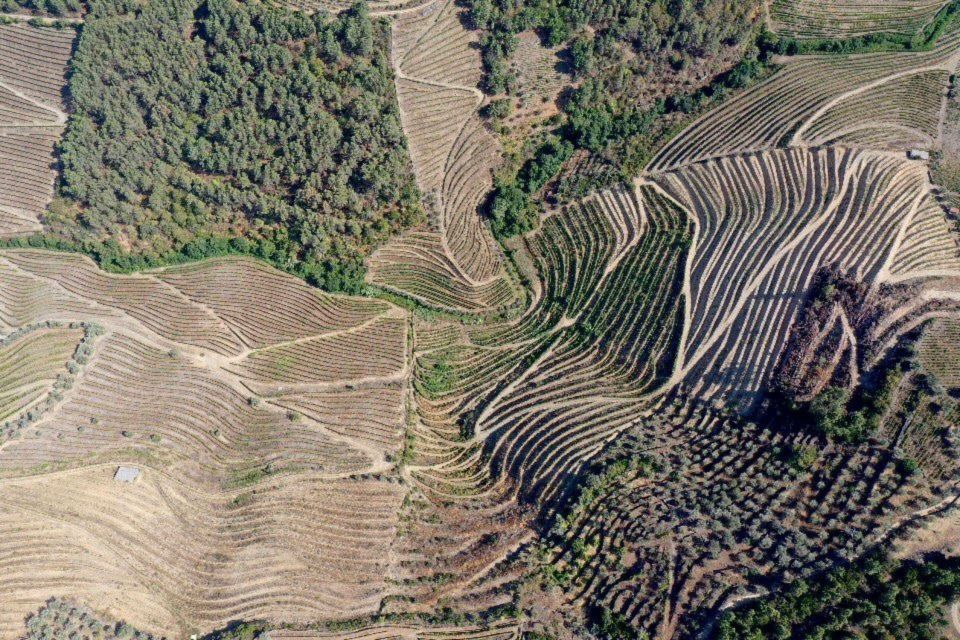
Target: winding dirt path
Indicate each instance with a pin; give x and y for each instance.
(60, 117)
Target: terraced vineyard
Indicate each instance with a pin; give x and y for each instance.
(938, 352)
(33, 66)
(732, 370)
(541, 394)
(31, 364)
(453, 263)
(753, 264)
(198, 393)
(851, 18)
(781, 111)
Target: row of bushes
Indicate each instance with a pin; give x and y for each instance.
(332, 275)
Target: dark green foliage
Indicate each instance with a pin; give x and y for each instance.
(511, 211)
(908, 466)
(582, 56)
(546, 162)
(497, 109)
(597, 116)
(877, 598)
(203, 128)
(511, 208)
(802, 458)
(42, 7)
(691, 29)
(240, 631)
(829, 409)
(613, 625)
(840, 415)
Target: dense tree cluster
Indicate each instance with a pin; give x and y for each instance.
(606, 32)
(44, 7)
(511, 208)
(206, 127)
(877, 598)
(617, 50)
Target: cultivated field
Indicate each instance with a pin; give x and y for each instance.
(454, 262)
(543, 393)
(850, 18)
(33, 66)
(263, 442)
(793, 104)
(767, 222)
(30, 364)
(306, 458)
(939, 351)
(842, 193)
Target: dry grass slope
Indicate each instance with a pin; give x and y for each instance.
(231, 482)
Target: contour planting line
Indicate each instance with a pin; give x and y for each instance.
(809, 228)
(156, 339)
(60, 116)
(797, 138)
(686, 289)
(883, 273)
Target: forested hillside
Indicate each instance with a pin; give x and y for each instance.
(875, 598)
(635, 71)
(202, 128)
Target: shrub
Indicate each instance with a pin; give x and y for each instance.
(511, 212)
(828, 409)
(497, 109)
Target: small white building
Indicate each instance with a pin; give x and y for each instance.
(918, 154)
(126, 474)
